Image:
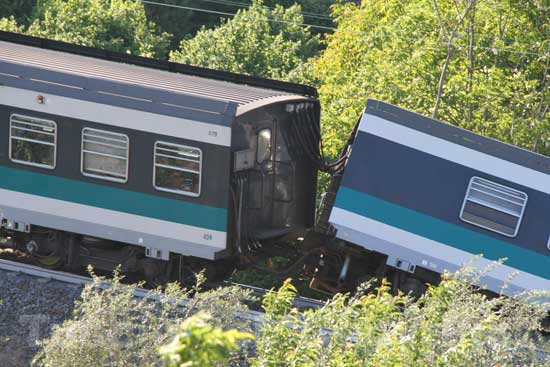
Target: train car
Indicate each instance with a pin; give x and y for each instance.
(426, 197)
(112, 159)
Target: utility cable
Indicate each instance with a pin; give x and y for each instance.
(327, 28)
(234, 14)
(247, 5)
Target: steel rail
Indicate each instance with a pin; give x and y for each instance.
(299, 301)
(36, 271)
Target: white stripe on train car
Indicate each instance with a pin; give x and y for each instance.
(340, 217)
(117, 116)
(455, 153)
(110, 218)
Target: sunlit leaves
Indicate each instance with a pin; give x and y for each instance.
(257, 41)
(394, 51)
(116, 25)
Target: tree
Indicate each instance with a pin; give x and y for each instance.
(117, 25)
(184, 18)
(251, 44)
(487, 61)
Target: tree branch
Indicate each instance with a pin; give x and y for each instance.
(440, 21)
(442, 79)
(466, 11)
(450, 48)
(544, 82)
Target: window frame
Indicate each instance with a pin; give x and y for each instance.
(107, 178)
(11, 137)
(178, 192)
(466, 199)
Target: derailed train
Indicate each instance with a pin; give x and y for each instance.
(110, 159)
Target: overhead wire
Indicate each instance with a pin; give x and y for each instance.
(247, 5)
(328, 28)
(234, 14)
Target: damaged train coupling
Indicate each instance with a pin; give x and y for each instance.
(338, 266)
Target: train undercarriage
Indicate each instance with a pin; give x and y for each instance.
(72, 252)
(333, 266)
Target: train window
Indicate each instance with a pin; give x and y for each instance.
(177, 168)
(33, 141)
(263, 152)
(104, 155)
(493, 206)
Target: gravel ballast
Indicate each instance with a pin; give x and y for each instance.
(30, 307)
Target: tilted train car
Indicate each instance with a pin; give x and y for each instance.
(197, 165)
(428, 196)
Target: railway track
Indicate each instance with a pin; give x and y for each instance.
(302, 303)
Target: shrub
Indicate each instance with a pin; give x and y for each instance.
(451, 325)
(111, 327)
(10, 25)
(198, 344)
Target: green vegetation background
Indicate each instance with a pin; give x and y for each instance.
(482, 65)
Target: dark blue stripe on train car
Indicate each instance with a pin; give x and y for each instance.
(441, 231)
(434, 186)
(113, 199)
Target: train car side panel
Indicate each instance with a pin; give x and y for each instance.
(405, 186)
(132, 212)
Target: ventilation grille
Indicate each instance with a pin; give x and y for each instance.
(493, 206)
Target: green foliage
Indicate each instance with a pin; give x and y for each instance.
(183, 23)
(116, 25)
(450, 326)
(21, 10)
(250, 45)
(198, 344)
(321, 7)
(111, 327)
(318, 7)
(10, 25)
(395, 51)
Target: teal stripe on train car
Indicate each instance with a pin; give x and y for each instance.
(112, 198)
(443, 232)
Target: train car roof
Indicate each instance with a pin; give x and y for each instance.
(48, 61)
(459, 136)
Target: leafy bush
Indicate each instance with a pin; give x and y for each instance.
(10, 25)
(198, 344)
(451, 325)
(110, 327)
